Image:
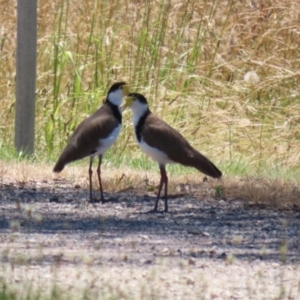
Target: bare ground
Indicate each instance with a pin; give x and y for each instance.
(203, 249)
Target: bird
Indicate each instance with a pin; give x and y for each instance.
(94, 135)
(164, 144)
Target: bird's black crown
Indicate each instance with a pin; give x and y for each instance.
(138, 97)
(116, 86)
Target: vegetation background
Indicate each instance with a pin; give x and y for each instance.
(224, 73)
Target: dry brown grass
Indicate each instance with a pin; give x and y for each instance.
(262, 192)
(193, 55)
(256, 192)
(192, 60)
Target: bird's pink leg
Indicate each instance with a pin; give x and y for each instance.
(99, 177)
(163, 180)
(90, 178)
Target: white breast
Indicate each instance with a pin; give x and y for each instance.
(107, 142)
(155, 154)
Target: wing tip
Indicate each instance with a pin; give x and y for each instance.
(58, 168)
(218, 174)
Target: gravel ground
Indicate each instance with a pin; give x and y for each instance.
(203, 249)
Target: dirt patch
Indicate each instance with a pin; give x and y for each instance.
(204, 248)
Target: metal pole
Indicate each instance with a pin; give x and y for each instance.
(26, 75)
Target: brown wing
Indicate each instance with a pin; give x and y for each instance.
(85, 138)
(156, 133)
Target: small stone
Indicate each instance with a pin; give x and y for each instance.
(212, 252)
(54, 199)
(190, 281)
(146, 261)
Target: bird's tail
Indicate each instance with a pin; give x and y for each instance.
(204, 165)
(59, 166)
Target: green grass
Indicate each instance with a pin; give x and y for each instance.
(189, 59)
(116, 158)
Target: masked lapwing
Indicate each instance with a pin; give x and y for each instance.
(164, 144)
(94, 135)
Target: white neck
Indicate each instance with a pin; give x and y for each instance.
(138, 109)
(116, 97)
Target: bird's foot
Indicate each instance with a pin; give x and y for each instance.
(155, 211)
(94, 201)
(111, 199)
(103, 200)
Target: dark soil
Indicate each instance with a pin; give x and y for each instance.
(215, 227)
(119, 233)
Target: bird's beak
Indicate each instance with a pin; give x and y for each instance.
(125, 90)
(128, 102)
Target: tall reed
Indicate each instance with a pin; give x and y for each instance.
(191, 59)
